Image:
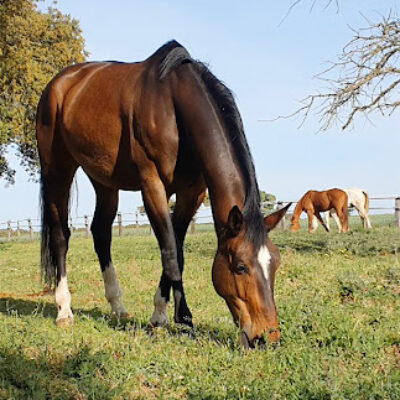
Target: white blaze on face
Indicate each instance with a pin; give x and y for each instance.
(264, 258)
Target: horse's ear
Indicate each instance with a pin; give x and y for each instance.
(235, 221)
(273, 219)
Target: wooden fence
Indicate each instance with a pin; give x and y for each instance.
(138, 223)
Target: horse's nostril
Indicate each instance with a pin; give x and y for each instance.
(274, 345)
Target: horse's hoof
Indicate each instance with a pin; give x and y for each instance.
(157, 324)
(186, 321)
(121, 316)
(64, 322)
(150, 327)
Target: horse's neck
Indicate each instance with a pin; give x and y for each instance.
(212, 145)
(298, 210)
(223, 178)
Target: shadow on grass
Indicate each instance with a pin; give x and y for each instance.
(76, 377)
(45, 309)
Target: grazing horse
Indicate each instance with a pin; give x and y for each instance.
(162, 126)
(358, 199)
(313, 203)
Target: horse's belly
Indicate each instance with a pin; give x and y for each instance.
(104, 156)
(126, 181)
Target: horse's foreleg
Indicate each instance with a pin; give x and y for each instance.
(187, 203)
(328, 219)
(318, 216)
(156, 204)
(310, 217)
(314, 224)
(106, 209)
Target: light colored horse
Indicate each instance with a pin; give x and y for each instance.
(358, 199)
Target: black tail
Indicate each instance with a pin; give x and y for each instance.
(48, 267)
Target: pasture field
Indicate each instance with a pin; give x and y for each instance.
(338, 305)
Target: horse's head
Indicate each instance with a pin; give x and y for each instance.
(294, 224)
(244, 276)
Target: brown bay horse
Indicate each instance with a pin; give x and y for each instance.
(313, 203)
(162, 126)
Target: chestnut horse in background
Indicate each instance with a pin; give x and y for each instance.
(314, 202)
(358, 199)
(162, 126)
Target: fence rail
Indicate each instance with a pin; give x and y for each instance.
(29, 227)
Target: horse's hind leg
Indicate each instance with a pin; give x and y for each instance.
(106, 209)
(363, 216)
(367, 221)
(56, 182)
(343, 215)
(337, 220)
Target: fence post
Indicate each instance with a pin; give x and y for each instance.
(397, 212)
(18, 231)
(119, 224)
(30, 229)
(9, 230)
(137, 220)
(71, 226)
(87, 225)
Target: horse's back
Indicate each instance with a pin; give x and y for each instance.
(337, 196)
(324, 200)
(83, 88)
(355, 195)
(116, 120)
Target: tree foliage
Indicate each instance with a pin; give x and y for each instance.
(267, 201)
(34, 46)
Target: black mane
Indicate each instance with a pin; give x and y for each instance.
(174, 54)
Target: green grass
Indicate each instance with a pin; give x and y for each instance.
(338, 304)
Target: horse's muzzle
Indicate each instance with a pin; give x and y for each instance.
(260, 342)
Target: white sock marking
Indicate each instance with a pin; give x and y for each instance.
(264, 258)
(112, 291)
(159, 317)
(63, 299)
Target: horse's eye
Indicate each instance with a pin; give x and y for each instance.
(240, 269)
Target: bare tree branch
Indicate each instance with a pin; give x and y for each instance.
(313, 2)
(365, 78)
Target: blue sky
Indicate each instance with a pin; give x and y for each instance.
(269, 66)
